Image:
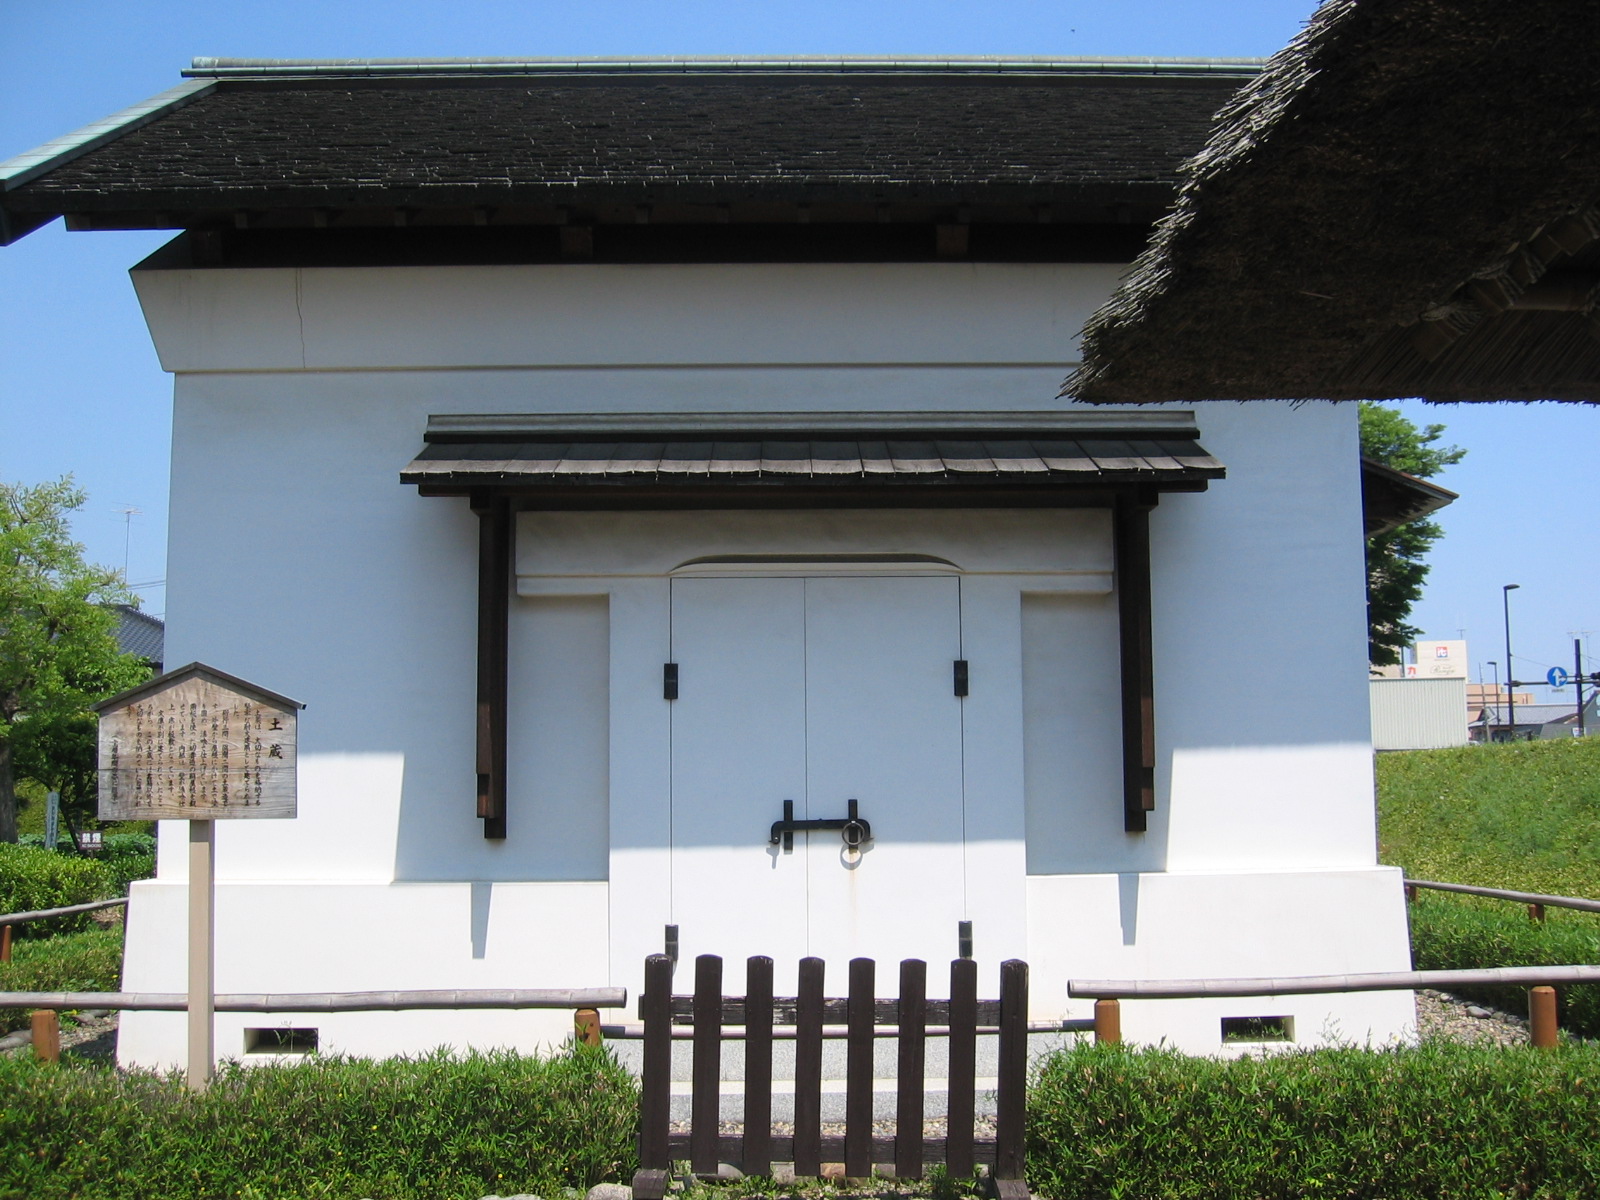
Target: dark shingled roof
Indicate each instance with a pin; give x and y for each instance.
(1399, 205)
(141, 634)
(1094, 139)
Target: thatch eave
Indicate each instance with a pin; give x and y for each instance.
(1393, 153)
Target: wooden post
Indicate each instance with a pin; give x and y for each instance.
(961, 1098)
(1536, 913)
(1131, 533)
(1011, 1086)
(860, 1018)
(586, 1027)
(706, 1100)
(911, 1069)
(1107, 1022)
(202, 948)
(47, 1035)
(1542, 1016)
(5, 943)
(655, 1084)
(757, 1156)
(808, 1070)
(1411, 893)
(494, 613)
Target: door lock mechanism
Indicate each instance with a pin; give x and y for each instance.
(855, 831)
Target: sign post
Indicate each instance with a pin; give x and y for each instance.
(201, 746)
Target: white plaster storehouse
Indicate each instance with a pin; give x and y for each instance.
(512, 398)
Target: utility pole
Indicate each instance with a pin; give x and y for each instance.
(1511, 699)
(1577, 678)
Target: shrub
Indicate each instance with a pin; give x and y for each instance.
(32, 878)
(72, 962)
(431, 1128)
(1439, 1121)
(1459, 933)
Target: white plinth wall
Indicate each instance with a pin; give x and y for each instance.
(298, 561)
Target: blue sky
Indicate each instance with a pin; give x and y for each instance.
(81, 392)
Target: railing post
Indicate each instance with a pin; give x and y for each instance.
(47, 1035)
(655, 1007)
(961, 1099)
(808, 1069)
(705, 1103)
(912, 1018)
(1411, 893)
(5, 943)
(586, 1027)
(1542, 1016)
(1536, 913)
(756, 1158)
(860, 1018)
(1010, 1093)
(1107, 1022)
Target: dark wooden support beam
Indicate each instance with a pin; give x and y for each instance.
(1132, 517)
(494, 610)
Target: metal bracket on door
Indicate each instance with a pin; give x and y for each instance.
(852, 828)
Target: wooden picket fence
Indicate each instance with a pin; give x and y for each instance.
(757, 1018)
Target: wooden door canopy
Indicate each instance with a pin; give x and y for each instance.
(811, 459)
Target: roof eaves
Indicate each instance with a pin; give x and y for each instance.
(235, 68)
(14, 172)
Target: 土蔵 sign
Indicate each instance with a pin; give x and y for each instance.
(197, 744)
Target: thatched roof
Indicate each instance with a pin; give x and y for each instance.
(1400, 205)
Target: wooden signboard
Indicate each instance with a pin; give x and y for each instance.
(197, 744)
(202, 746)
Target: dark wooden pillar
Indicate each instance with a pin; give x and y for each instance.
(1132, 518)
(494, 610)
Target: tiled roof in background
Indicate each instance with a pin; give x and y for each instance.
(140, 633)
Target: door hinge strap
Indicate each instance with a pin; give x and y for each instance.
(961, 677)
(669, 681)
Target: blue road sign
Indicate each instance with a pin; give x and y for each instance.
(1556, 676)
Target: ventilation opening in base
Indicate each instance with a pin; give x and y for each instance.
(280, 1041)
(1257, 1029)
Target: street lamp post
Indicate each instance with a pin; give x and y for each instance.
(1505, 604)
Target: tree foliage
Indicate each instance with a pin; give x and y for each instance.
(58, 652)
(1397, 561)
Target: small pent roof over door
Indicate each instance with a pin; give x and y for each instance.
(862, 458)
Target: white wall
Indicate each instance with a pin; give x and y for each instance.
(299, 561)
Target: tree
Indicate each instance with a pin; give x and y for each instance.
(1397, 560)
(58, 652)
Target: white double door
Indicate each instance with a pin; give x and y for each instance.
(817, 690)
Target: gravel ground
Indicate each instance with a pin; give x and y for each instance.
(1447, 1017)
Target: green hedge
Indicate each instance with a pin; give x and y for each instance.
(434, 1128)
(1460, 933)
(1435, 1122)
(126, 856)
(71, 962)
(32, 878)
